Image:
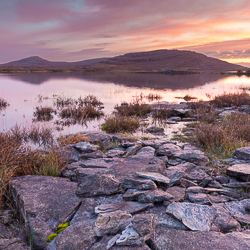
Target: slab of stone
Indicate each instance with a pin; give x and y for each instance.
(115, 153)
(177, 192)
(205, 181)
(169, 221)
(78, 236)
(111, 223)
(133, 149)
(187, 183)
(175, 173)
(242, 153)
(167, 149)
(127, 144)
(178, 240)
(13, 244)
(241, 171)
(194, 156)
(154, 129)
(98, 184)
(217, 198)
(85, 147)
(130, 207)
(155, 143)
(222, 179)
(132, 194)
(146, 150)
(138, 183)
(154, 176)
(200, 198)
(214, 184)
(44, 202)
(239, 210)
(195, 174)
(129, 237)
(237, 185)
(94, 155)
(224, 222)
(194, 216)
(155, 195)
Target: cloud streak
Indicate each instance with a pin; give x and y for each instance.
(69, 29)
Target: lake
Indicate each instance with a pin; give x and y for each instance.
(24, 92)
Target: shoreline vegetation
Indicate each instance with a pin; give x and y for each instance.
(217, 133)
(218, 126)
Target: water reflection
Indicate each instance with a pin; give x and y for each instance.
(22, 91)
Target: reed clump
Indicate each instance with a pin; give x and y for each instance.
(3, 104)
(114, 124)
(44, 113)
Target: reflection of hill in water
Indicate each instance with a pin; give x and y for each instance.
(153, 81)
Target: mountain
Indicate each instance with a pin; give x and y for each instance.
(166, 60)
(178, 61)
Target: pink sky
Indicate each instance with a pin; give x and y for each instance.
(74, 30)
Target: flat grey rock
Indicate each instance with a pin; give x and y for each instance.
(111, 223)
(13, 244)
(194, 156)
(138, 183)
(194, 216)
(112, 153)
(241, 171)
(85, 147)
(130, 207)
(242, 153)
(98, 184)
(150, 151)
(167, 149)
(154, 176)
(177, 192)
(155, 195)
(201, 199)
(179, 240)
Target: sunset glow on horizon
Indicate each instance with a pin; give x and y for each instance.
(75, 30)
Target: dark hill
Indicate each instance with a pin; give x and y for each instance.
(177, 61)
(166, 60)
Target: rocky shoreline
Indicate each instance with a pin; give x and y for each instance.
(151, 194)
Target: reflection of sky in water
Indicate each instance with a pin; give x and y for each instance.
(23, 99)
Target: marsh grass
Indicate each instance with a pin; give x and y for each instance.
(153, 97)
(225, 135)
(231, 99)
(17, 158)
(135, 108)
(114, 124)
(44, 113)
(3, 104)
(72, 139)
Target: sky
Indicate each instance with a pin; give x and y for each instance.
(75, 30)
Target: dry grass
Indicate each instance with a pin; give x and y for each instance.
(114, 124)
(3, 104)
(44, 113)
(224, 136)
(72, 139)
(231, 99)
(16, 158)
(136, 108)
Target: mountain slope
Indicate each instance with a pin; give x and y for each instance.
(166, 60)
(151, 61)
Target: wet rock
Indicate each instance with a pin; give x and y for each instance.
(167, 149)
(94, 185)
(130, 207)
(194, 156)
(194, 216)
(13, 244)
(146, 150)
(115, 153)
(175, 173)
(138, 183)
(155, 195)
(242, 153)
(111, 223)
(239, 210)
(241, 171)
(85, 147)
(178, 240)
(154, 176)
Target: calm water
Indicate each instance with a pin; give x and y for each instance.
(22, 90)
